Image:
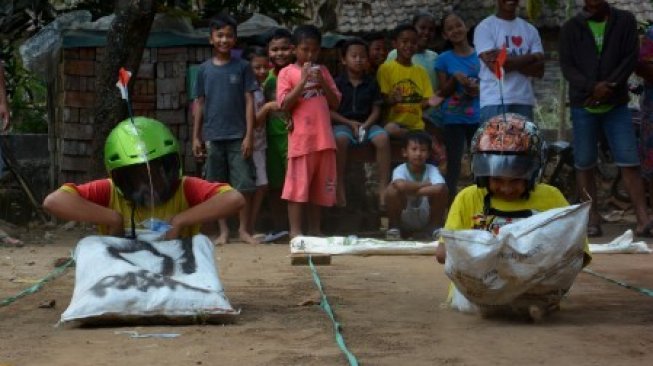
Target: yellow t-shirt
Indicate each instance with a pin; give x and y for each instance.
(466, 211)
(413, 84)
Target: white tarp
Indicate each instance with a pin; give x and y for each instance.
(536, 258)
(623, 244)
(131, 280)
(338, 245)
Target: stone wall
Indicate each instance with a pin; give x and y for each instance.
(159, 91)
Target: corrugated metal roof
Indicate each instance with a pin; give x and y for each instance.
(355, 16)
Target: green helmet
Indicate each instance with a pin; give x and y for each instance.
(144, 140)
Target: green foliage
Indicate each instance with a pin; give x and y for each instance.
(27, 95)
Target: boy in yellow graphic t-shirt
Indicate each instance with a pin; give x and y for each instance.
(406, 87)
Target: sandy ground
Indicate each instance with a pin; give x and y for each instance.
(390, 309)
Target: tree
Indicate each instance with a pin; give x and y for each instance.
(125, 43)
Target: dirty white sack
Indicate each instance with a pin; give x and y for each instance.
(340, 245)
(536, 258)
(128, 280)
(623, 244)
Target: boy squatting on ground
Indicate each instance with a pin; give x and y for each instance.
(506, 160)
(183, 202)
(406, 87)
(308, 92)
(417, 196)
(224, 119)
(355, 121)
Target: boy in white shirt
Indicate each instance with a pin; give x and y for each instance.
(417, 196)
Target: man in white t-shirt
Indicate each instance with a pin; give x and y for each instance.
(525, 60)
(417, 196)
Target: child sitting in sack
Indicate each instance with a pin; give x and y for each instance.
(136, 192)
(506, 162)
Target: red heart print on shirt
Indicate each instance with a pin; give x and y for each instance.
(516, 40)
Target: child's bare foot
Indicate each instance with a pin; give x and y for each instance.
(222, 239)
(293, 235)
(247, 237)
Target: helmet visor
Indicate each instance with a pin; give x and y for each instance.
(508, 166)
(133, 181)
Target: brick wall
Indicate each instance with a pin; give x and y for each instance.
(159, 91)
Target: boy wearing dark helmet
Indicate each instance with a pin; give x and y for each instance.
(506, 162)
(128, 196)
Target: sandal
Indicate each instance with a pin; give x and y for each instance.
(594, 230)
(646, 231)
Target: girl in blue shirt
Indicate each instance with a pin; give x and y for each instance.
(457, 71)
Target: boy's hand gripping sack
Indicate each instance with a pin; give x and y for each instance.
(144, 280)
(533, 260)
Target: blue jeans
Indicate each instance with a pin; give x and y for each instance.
(616, 125)
(490, 111)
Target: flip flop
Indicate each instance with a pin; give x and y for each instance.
(594, 231)
(646, 231)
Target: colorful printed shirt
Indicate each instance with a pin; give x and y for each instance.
(460, 107)
(414, 86)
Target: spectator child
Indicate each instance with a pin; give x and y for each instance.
(506, 160)
(417, 196)
(224, 120)
(405, 86)
(378, 51)
(359, 113)
(307, 91)
(425, 25)
(525, 60)
(458, 79)
(280, 52)
(123, 199)
(258, 59)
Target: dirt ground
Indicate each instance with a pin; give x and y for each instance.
(390, 309)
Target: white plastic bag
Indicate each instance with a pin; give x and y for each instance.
(533, 260)
(129, 280)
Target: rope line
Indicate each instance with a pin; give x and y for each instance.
(324, 304)
(642, 290)
(39, 284)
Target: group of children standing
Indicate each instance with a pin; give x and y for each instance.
(281, 125)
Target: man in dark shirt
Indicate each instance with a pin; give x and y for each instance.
(356, 120)
(598, 52)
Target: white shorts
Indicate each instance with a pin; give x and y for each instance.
(416, 215)
(258, 156)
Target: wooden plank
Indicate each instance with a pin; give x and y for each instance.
(302, 259)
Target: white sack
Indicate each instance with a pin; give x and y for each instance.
(336, 245)
(536, 258)
(131, 280)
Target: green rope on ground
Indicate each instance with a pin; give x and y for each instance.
(324, 304)
(641, 290)
(39, 284)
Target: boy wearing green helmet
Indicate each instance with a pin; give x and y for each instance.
(145, 182)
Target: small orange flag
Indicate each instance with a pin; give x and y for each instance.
(123, 80)
(501, 59)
